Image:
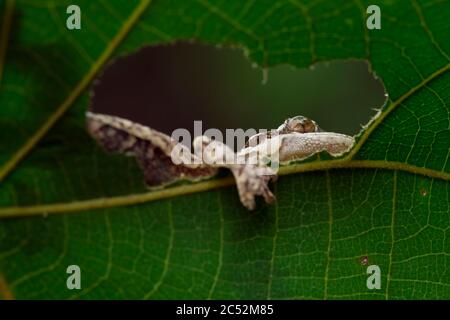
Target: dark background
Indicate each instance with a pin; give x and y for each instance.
(168, 87)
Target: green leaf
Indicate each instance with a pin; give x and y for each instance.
(387, 200)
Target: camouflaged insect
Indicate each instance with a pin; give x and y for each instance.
(296, 139)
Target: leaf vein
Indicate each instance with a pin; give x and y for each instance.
(79, 88)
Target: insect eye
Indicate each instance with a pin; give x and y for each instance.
(310, 126)
(297, 126)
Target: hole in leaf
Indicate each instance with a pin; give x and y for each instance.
(169, 86)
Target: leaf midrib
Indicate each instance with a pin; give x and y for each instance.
(140, 198)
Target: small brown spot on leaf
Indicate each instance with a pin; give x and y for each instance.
(364, 260)
(423, 192)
